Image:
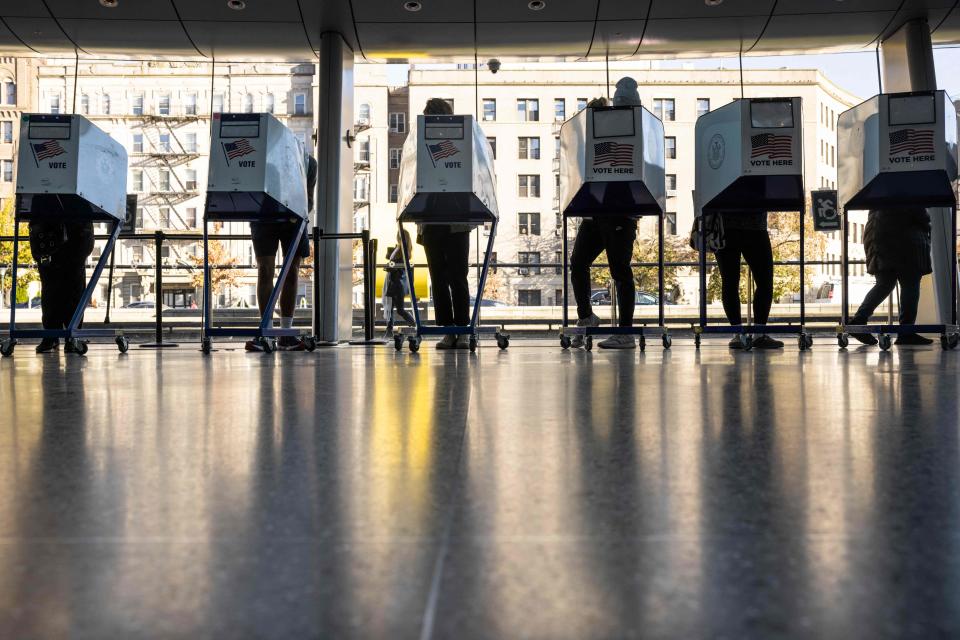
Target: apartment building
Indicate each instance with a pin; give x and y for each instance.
(17, 96)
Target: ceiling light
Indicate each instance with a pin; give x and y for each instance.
(109, 4)
(412, 6)
(536, 5)
(237, 5)
(713, 3)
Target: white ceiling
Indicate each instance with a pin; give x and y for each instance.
(444, 29)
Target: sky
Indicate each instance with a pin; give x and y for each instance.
(855, 72)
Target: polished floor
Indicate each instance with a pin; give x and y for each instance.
(534, 493)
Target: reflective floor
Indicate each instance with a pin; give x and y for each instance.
(527, 494)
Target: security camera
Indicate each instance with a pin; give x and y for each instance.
(493, 64)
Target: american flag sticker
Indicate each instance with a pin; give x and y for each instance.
(238, 149)
(441, 150)
(771, 145)
(46, 150)
(911, 141)
(613, 154)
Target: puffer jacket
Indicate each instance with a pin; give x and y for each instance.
(898, 241)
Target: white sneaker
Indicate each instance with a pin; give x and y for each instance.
(448, 341)
(591, 321)
(618, 342)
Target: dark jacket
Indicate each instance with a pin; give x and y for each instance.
(394, 284)
(898, 241)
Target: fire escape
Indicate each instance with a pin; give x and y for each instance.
(361, 174)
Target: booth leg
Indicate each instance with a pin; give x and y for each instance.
(158, 342)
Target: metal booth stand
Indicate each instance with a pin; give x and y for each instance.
(68, 170)
(899, 150)
(257, 174)
(750, 158)
(446, 177)
(612, 164)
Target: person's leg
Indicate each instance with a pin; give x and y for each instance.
(758, 254)
(909, 298)
(50, 296)
(618, 241)
(458, 266)
(398, 309)
(886, 281)
(433, 247)
(586, 247)
(728, 262)
(288, 294)
(266, 272)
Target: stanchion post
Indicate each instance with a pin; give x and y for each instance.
(158, 343)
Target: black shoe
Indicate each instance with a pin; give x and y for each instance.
(864, 338)
(48, 344)
(291, 343)
(736, 343)
(766, 342)
(912, 339)
(69, 347)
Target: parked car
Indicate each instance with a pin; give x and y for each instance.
(485, 302)
(30, 304)
(602, 297)
(143, 304)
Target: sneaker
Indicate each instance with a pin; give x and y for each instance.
(291, 343)
(766, 342)
(463, 341)
(447, 342)
(591, 321)
(736, 342)
(48, 344)
(618, 342)
(253, 345)
(69, 348)
(912, 339)
(864, 338)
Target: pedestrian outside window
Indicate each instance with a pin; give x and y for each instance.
(529, 224)
(529, 186)
(489, 109)
(529, 148)
(528, 109)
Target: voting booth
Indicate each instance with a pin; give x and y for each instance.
(257, 173)
(447, 177)
(899, 150)
(749, 157)
(68, 170)
(612, 164)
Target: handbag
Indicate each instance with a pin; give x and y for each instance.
(714, 238)
(46, 238)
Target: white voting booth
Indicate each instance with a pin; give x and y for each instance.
(256, 174)
(900, 150)
(749, 157)
(68, 170)
(447, 177)
(612, 164)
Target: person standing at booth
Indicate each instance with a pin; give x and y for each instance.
(746, 236)
(615, 235)
(395, 284)
(447, 247)
(267, 236)
(897, 245)
(61, 250)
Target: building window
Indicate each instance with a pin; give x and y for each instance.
(671, 182)
(398, 122)
(190, 104)
(489, 109)
(10, 92)
(191, 142)
(190, 221)
(136, 105)
(163, 104)
(137, 181)
(54, 104)
(8, 131)
(493, 262)
(8, 170)
(395, 155)
(164, 144)
(528, 109)
(703, 106)
(363, 151)
(559, 109)
(665, 109)
(581, 104)
(164, 223)
(670, 223)
(493, 146)
(528, 186)
(190, 184)
(529, 148)
(558, 261)
(363, 114)
(670, 145)
(529, 224)
(84, 103)
(360, 188)
(299, 104)
(217, 103)
(248, 103)
(527, 258)
(394, 193)
(138, 143)
(269, 103)
(106, 104)
(164, 181)
(528, 297)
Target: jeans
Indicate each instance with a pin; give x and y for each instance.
(755, 248)
(617, 237)
(448, 254)
(886, 281)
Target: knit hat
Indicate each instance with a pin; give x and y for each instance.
(626, 94)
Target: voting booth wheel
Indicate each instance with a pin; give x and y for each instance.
(642, 342)
(667, 341)
(565, 341)
(503, 341)
(950, 341)
(843, 341)
(414, 343)
(472, 343)
(805, 341)
(885, 342)
(7, 347)
(79, 346)
(588, 343)
(206, 346)
(123, 344)
(398, 342)
(310, 343)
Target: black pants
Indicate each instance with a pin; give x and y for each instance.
(886, 281)
(448, 254)
(617, 237)
(63, 278)
(755, 248)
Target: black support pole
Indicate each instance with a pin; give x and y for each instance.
(158, 343)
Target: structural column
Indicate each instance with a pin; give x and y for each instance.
(333, 311)
(908, 66)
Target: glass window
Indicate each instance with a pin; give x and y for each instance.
(394, 190)
(218, 103)
(137, 181)
(138, 143)
(703, 106)
(8, 130)
(190, 104)
(493, 146)
(529, 224)
(363, 150)
(8, 170)
(489, 109)
(360, 188)
(670, 146)
(84, 104)
(136, 105)
(164, 221)
(671, 182)
(300, 104)
(398, 122)
(190, 219)
(395, 155)
(558, 269)
(559, 109)
(363, 114)
(528, 297)
(529, 257)
(163, 104)
(10, 92)
(164, 180)
(493, 262)
(581, 104)
(190, 183)
(269, 103)
(164, 144)
(54, 104)
(670, 223)
(190, 141)
(529, 186)
(106, 104)
(248, 103)
(529, 148)
(556, 146)
(528, 109)
(665, 109)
